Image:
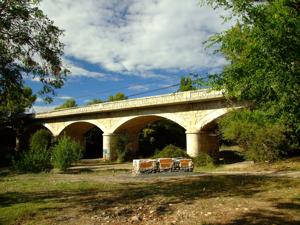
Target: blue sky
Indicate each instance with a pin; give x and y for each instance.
(130, 46)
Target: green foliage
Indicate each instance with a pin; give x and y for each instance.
(263, 50)
(123, 148)
(158, 135)
(94, 101)
(67, 104)
(117, 97)
(36, 160)
(186, 84)
(170, 151)
(65, 152)
(38, 157)
(29, 46)
(204, 160)
(41, 139)
(261, 138)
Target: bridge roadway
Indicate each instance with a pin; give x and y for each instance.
(195, 111)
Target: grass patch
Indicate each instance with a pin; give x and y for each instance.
(113, 195)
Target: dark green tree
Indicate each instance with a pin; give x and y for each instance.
(186, 84)
(117, 97)
(94, 101)
(263, 51)
(68, 104)
(29, 47)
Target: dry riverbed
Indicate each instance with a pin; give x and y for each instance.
(96, 193)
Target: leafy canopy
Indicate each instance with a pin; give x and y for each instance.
(263, 51)
(69, 103)
(117, 97)
(29, 47)
(94, 101)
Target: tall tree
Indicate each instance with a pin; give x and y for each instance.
(186, 84)
(68, 104)
(94, 101)
(29, 47)
(263, 51)
(117, 97)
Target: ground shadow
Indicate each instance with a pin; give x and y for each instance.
(104, 198)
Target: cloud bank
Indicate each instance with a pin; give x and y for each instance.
(136, 36)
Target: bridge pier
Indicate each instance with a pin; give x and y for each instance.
(201, 141)
(108, 145)
(192, 143)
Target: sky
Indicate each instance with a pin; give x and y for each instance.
(131, 46)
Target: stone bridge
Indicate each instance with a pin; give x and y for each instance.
(195, 111)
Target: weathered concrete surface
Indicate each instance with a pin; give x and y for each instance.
(192, 110)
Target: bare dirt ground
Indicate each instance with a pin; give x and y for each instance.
(92, 192)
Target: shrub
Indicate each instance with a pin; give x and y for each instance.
(38, 157)
(204, 160)
(260, 137)
(170, 151)
(65, 152)
(33, 161)
(123, 148)
(41, 139)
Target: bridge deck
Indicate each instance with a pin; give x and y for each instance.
(159, 100)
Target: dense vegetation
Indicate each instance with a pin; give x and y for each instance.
(43, 154)
(37, 158)
(65, 152)
(263, 51)
(29, 47)
(69, 103)
(157, 135)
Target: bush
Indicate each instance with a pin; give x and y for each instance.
(260, 137)
(33, 161)
(123, 148)
(38, 157)
(65, 152)
(170, 151)
(41, 139)
(204, 160)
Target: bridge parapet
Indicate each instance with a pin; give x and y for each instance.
(168, 99)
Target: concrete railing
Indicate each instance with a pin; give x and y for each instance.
(168, 99)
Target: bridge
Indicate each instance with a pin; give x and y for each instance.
(195, 111)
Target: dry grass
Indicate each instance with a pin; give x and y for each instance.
(113, 196)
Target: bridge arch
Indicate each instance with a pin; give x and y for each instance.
(84, 133)
(145, 119)
(60, 129)
(171, 132)
(211, 117)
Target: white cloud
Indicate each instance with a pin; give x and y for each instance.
(63, 97)
(136, 36)
(138, 87)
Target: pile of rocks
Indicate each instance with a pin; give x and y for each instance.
(141, 166)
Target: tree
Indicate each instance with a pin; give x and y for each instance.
(186, 84)
(68, 104)
(94, 101)
(29, 47)
(117, 97)
(263, 51)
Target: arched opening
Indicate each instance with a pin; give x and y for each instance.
(148, 134)
(88, 135)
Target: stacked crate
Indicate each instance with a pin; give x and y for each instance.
(143, 166)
